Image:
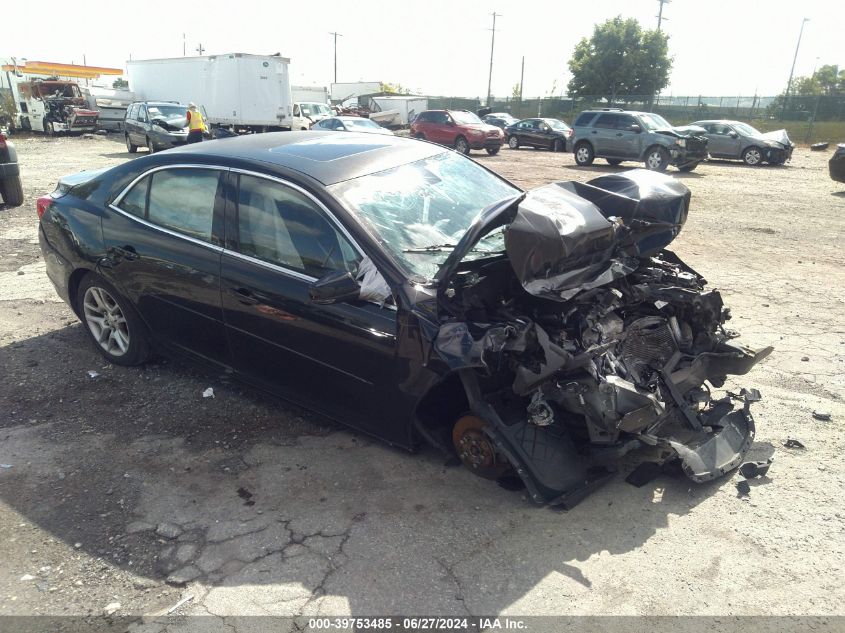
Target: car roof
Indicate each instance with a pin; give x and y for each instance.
(716, 121)
(323, 155)
(158, 103)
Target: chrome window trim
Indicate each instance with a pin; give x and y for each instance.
(188, 238)
(271, 266)
(140, 177)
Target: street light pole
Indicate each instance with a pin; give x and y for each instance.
(792, 71)
(492, 44)
(335, 53)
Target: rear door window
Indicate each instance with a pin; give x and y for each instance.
(135, 202)
(584, 118)
(182, 200)
(625, 121)
(606, 121)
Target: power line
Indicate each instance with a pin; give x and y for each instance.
(492, 45)
(336, 35)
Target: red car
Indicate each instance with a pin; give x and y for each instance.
(460, 129)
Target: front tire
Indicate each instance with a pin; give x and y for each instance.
(150, 146)
(657, 159)
(461, 145)
(513, 142)
(584, 154)
(49, 130)
(129, 146)
(476, 450)
(420, 136)
(11, 190)
(111, 322)
(752, 156)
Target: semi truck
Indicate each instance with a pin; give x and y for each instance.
(239, 91)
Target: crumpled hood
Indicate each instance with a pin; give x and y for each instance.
(778, 136)
(683, 131)
(573, 236)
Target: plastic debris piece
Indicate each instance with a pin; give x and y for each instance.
(742, 486)
(749, 470)
(792, 443)
(179, 604)
(821, 415)
(208, 393)
(93, 374)
(5, 465)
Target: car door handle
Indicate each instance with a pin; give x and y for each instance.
(244, 296)
(593, 132)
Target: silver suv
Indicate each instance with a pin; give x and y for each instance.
(619, 135)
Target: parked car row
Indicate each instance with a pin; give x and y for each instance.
(613, 134)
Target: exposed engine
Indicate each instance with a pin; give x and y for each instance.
(618, 347)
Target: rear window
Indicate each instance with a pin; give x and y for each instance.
(584, 118)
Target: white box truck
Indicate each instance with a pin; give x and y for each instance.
(310, 104)
(238, 90)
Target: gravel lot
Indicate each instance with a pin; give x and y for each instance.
(127, 492)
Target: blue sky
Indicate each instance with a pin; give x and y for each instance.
(442, 47)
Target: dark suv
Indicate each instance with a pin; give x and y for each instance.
(155, 125)
(460, 129)
(619, 135)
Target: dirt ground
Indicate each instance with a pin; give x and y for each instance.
(128, 492)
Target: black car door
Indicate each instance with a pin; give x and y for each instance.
(338, 359)
(163, 252)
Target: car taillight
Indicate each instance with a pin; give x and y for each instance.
(569, 132)
(42, 204)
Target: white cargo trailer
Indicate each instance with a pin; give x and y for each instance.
(236, 89)
(309, 94)
(396, 110)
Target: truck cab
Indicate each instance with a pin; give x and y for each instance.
(52, 105)
(306, 114)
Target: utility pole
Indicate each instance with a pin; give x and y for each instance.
(183, 45)
(792, 71)
(335, 52)
(200, 49)
(492, 44)
(660, 17)
(521, 77)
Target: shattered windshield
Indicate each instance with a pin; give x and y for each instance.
(655, 122)
(419, 211)
(167, 112)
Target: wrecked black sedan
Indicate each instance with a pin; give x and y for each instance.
(409, 292)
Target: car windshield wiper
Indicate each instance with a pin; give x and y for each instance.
(440, 248)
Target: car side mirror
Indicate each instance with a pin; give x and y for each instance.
(635, 128)
(733, 135)
(336, 287)
(450, 123)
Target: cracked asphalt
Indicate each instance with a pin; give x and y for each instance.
(128, 493)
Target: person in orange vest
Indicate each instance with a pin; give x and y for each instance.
(196, 124)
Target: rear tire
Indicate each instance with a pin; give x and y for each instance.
(150, 146)
(584, 154)
(11, 190)
(461, 145)
(129, 146)
(513, 142)
(111, 322)
(657, 159)
(613, 161)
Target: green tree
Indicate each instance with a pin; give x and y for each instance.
(516, 91)
(619, 60)
(395, 89)
(120, 84)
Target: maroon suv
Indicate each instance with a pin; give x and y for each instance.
(460, 129)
